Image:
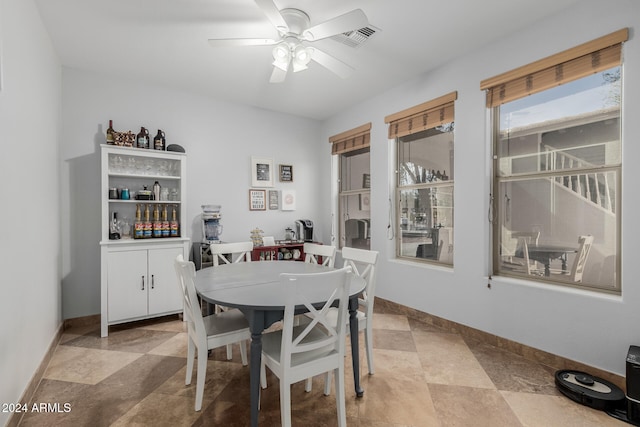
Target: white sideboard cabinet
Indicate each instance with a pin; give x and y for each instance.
(138, 280)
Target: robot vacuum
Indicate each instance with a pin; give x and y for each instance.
(589, 390)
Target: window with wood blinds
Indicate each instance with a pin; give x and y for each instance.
(572, 64)
(354, 190)
(557, 167)
(351, 140)
(424, 137)
(422, 117)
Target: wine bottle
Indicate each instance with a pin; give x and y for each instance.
(158, 141)
(157, 224)
(110, 134)
(138, 226)
(173, 225)
(148, 227)
(142, 138)
(166, 228)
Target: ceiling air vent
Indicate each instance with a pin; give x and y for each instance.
(356, 38)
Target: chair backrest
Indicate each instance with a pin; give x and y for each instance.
(313, 250)
(186, 272)
(239, 251)
(313, 290)
(363, 264)
(580, 261)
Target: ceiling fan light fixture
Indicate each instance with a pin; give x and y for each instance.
(281, 53)
(301, 57)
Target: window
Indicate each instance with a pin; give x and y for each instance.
(424, 188)
(557, 168)
(354, 191)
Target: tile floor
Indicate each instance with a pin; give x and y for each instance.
(424, 377)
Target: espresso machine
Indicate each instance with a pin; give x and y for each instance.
(211, 227)
(304, 230)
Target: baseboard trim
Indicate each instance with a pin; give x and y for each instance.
(554, 361)
(30, 390)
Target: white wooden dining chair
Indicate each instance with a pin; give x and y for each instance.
(580, 261)
(228, 253)
(237, 251)
(313, 252)
(363, 264)
(206, 333)
(296, 353)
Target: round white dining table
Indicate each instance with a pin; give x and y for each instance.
(255, 289)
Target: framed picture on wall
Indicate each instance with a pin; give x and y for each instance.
(261, 172)
(286, 173)
(257, 200)
(274, 199)
(288, 200)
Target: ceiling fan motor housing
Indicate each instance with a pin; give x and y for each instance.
(297, 20)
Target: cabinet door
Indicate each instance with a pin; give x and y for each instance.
(127, 284)
(164, 291)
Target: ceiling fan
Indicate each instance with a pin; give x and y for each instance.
(292, 49)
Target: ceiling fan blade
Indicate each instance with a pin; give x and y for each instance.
(353, 20)
(273, 14)
(241, 42)
(332, 64)
(278, 75)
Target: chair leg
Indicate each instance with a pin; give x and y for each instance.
(368, 339)
(327, 383)
(201, 375)
(285, 403)
(243, 352)
(229, 352)
(340, 396)
(263, 375)
(191, 355)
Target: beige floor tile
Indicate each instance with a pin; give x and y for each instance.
(446, 359)
(396, 400)
(391, 321)
(176, 411)
(458, 406)
(86, 365)
(175, 346)
(549, 411)
(391, 362)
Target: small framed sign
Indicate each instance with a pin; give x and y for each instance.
(257, 200)
(286, 173)
(261, 172)
(274, 199)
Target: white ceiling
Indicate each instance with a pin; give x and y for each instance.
(165, 42)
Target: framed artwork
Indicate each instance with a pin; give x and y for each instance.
(286, 173)
(257, 200)
(365, 202)
(274, 199)
(366, 180)
(261, 172)
(288, 200)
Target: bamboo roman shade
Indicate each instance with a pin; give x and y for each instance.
(422, 117)
(572, 64)
(351, 140)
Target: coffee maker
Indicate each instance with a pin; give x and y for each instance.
(304, 230)
(211, 227)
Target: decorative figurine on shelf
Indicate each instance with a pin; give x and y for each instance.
(256, 236)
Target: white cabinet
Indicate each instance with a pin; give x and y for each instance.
(138, 280)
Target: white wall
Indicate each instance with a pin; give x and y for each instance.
(219, 139)
(591, 328)
(29, 211)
